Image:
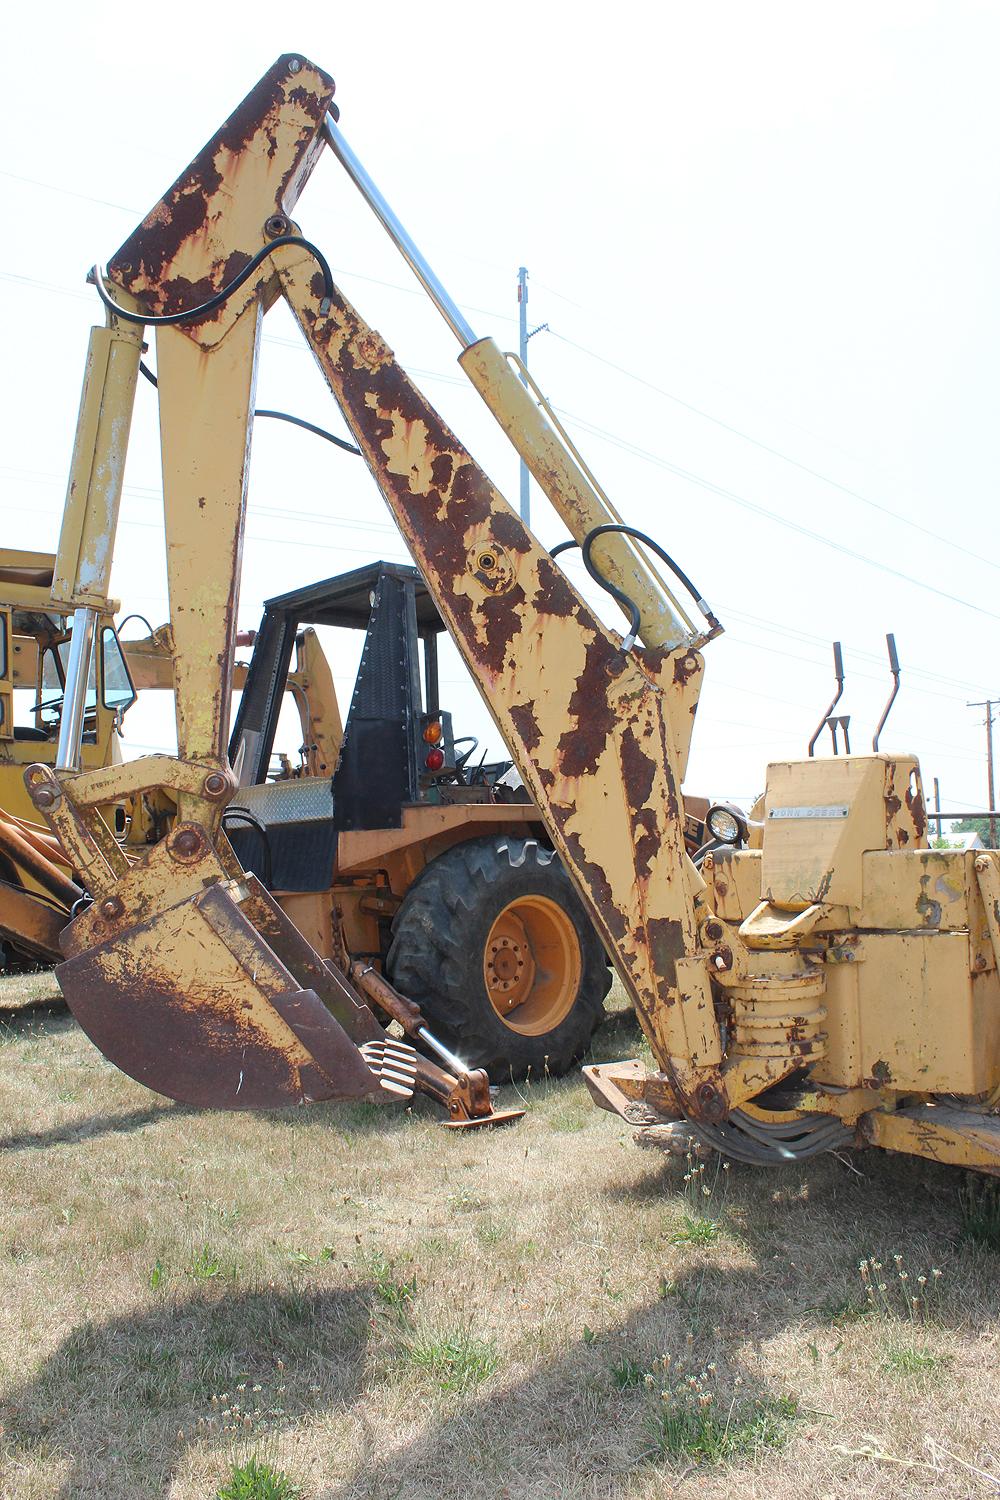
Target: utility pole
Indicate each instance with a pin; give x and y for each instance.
(937, 807)
(524, 336)
(988, 705)
(522, 319)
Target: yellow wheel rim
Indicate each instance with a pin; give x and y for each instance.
(532, 965)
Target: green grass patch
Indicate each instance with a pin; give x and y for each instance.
(696, 1231)
(258, 1481)
(393, 1294)
(457, 1361)
(905, 1360)
(686, 1426)
(626, 1373)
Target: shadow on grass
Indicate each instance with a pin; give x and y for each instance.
(586, 1425)
(93, 1125)
(583, 1425)
(124, 1398)
(38, 1019)
(807, 1226)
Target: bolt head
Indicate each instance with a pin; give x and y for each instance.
(186, 844)
(711, 1104)
(44, 796)
(111, 907)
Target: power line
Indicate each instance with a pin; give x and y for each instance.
(746, 437)
(740, 500)
(152, 495)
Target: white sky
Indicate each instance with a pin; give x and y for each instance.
(783, 215)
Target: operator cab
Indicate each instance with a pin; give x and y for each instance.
(398, 746)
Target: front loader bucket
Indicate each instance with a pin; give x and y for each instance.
(170, 977)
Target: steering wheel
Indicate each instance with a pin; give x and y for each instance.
(462, 760)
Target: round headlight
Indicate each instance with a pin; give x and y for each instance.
(724, 825)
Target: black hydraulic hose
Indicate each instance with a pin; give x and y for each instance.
(623, 599)
(278, 416)
(192, 314)
(629, 605)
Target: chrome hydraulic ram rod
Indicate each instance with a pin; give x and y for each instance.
(404, 244)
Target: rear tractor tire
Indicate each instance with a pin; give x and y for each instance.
(494, 945)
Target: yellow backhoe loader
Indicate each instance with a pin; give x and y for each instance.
(839, 984)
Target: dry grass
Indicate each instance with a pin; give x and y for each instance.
(376, 1307)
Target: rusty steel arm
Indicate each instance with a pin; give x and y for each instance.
(600, 735)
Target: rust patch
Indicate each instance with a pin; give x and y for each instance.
(442, 469)
(591, 713)
(918, 812)
(647, 842)
(638, 768)
(666, 945)
(639, 771)
(892, 805)
(928, 909)
(524, 721)
(509, 532)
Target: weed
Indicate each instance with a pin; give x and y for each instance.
(979, 1212)
(307, 1258)
(903, 1360)
(589, 1336)
(692, 1419)
(570, 1118)
(689, 1428)
(840, 1310)
(257, 1481)
(891, 1293)
(396, 1296)
(464, 1202)
(228, 1214)
(700, 1231)
(626, 1373)
(492, 1232)
(206, 1265)
(457, 1360)
(157, 1275)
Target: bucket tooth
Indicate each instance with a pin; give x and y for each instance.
(394, 1064)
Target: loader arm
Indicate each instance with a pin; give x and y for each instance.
(598, 724)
